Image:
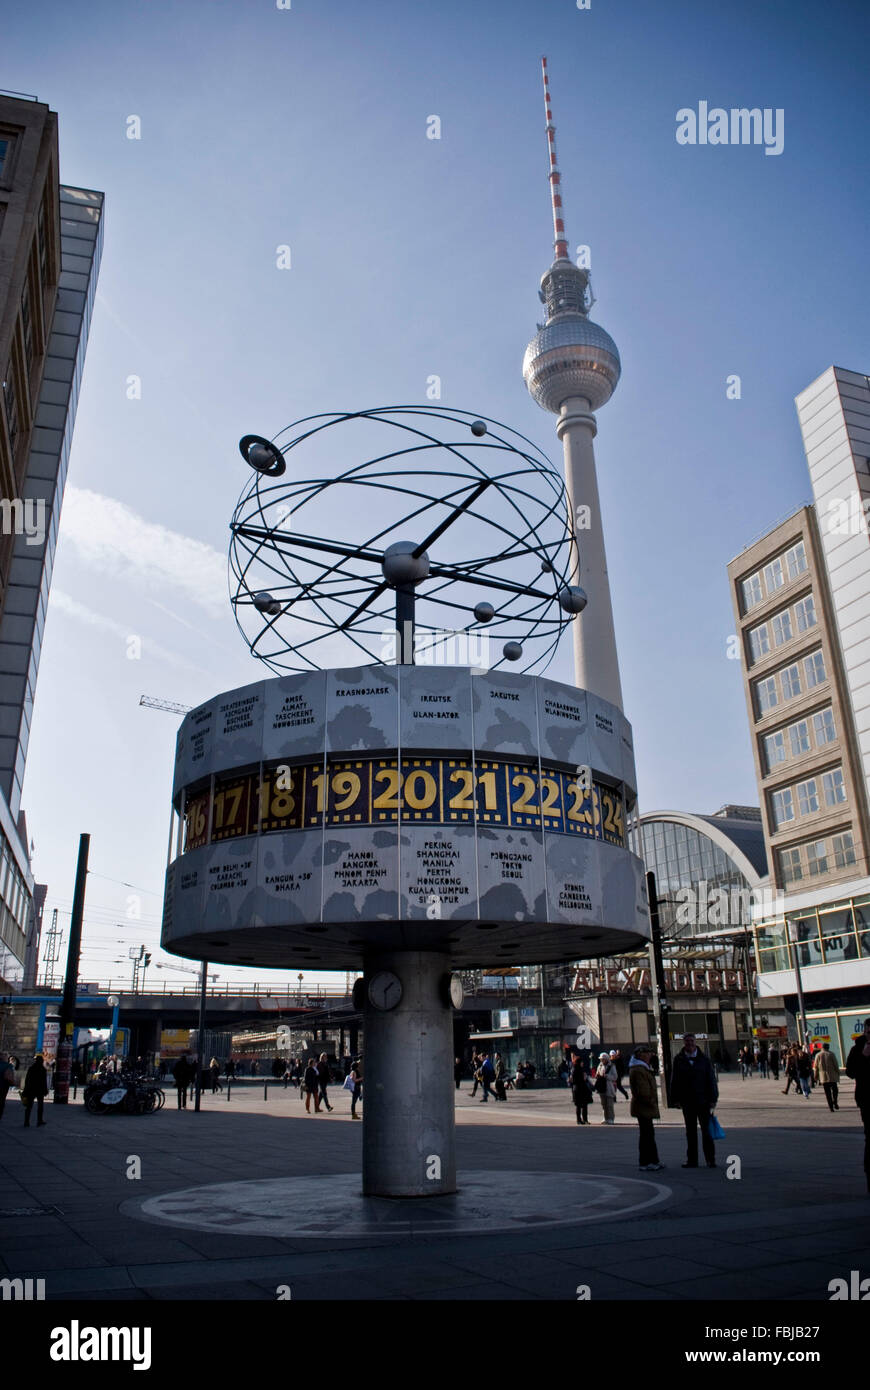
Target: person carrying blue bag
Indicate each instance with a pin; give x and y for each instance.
(695, 1090)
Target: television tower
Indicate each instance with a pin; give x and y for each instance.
(571, 367)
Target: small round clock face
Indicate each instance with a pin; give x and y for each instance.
(457, 993)
(385, 990)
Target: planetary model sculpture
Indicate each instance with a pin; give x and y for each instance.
(382, 804)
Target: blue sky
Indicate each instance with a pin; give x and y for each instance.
(306, 127)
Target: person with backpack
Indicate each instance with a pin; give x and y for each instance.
(805, 1071)
(486, 1073)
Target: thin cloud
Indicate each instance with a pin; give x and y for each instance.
(109, 537)
(64, 603)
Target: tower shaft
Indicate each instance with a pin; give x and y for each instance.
(596, 664)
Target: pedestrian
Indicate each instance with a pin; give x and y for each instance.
(35, 1088)
(619, 1064)
(255, 1067)
(858, 1067)
(311, 1083)
(695, 1090)
(644, 1108)
(278, 1069)
(356, 1076)
(791, 1072)
(214, 1068)
(7, 1080)
(230, 1070)
(181, 1075)
(805, 1071)
(161, 1070)
(499, 1069)
(773, 1059)
(762, 1061)
(606, 1077)
(581, 1091)
(486, 1072)
(457, 1071)
(826, 1070)
(324, 1078)
(475, 1068)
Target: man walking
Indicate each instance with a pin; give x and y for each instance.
(35, 1088)
(695, 1090)
(487, 1077)
(827, 1071)
(182, 1074)
(858, 1067)
(619, 1064)
(324, 1076)
(774, 1063)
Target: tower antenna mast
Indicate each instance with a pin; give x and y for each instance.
(560, 241)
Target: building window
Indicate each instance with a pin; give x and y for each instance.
(774, 577)
(781, 624)
(791, 682)
(752, 594)
(765, 692)
(759, 642)
(799, 737)
(790, 865)
(11, 404)
(782, 804)
(796, 559)
(835, 789)
(817, 859)
(815, 668)
(808, 797)
(824, 727)
(805, 612)
(844, 850)
(774, 749)
(5, 154)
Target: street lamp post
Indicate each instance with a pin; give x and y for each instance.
(795, 939)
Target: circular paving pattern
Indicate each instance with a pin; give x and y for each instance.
(332, 1206)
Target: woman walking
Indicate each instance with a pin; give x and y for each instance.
(214, 1069)
(356, 1076)
(311, 1083)
(605, 1084)
(581, 1091)
(644, 1108)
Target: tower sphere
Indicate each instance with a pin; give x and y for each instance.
(571, 356)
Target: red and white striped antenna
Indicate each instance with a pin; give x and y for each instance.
(561, 241)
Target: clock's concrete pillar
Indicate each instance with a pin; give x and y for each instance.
(408, 1086)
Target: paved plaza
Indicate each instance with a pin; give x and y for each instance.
(253, 1195)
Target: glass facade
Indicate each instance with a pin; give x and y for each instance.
(685, 856)
(828, 934)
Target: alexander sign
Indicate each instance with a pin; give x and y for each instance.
(637, 981)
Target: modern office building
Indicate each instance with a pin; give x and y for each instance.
(801, 598)
(50, 246)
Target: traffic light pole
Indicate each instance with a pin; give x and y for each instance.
(68, 1004)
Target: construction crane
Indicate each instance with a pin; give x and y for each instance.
(170, 706)
(188, 969)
